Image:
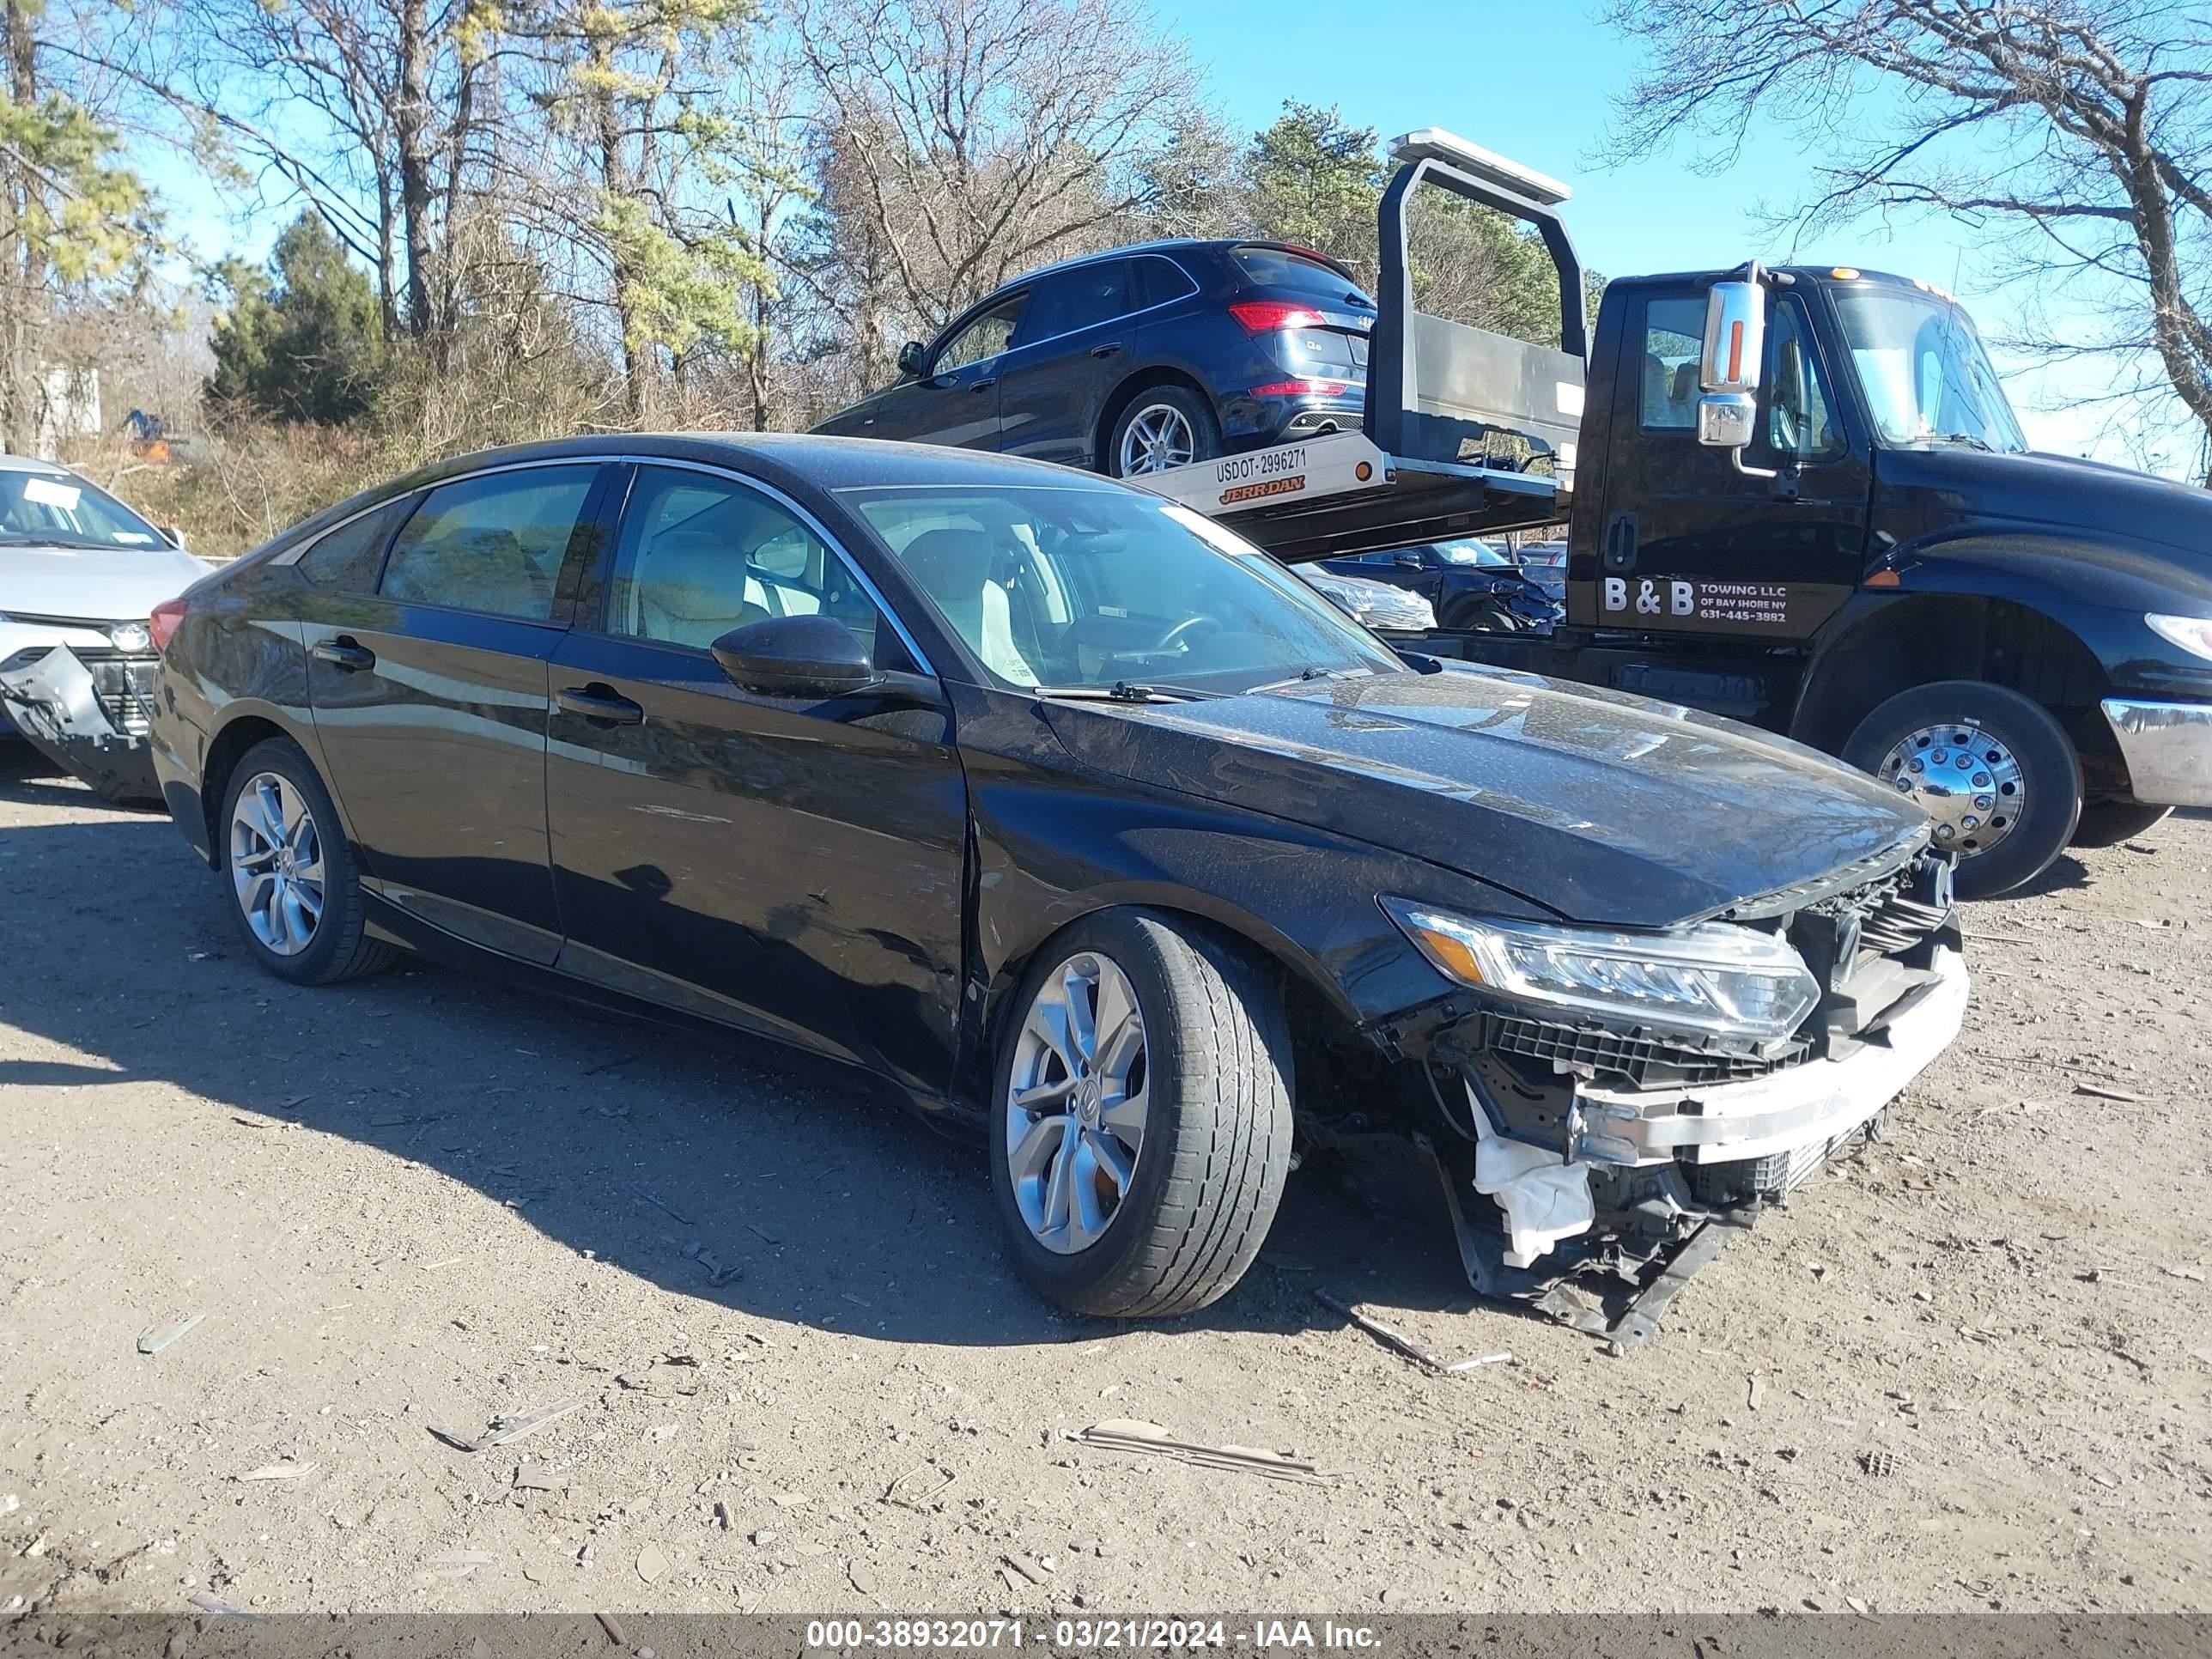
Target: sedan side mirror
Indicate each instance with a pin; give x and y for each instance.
(912, 358)
(812, 656)
(176, 534)
(1407, 560)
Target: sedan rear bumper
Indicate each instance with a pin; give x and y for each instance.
(1809, 1105)
(2167, 747)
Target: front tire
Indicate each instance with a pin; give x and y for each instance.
(2109, 823)
(1997, 773)
(296, 887)
(1140, 1122)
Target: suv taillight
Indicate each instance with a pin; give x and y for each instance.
(163, 623)
(1265, 316)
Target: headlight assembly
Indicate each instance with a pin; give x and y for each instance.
(1727, 980)
(2193, 634)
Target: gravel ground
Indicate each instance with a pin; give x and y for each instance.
(1965, 1369)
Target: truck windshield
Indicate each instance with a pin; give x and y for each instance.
(1926, 377)
(1080, 588)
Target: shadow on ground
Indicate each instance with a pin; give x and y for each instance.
(677, 1154)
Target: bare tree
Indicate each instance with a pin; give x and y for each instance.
(979, 137)
(2079, 130)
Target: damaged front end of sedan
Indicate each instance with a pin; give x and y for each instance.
(89, 717)
(1609, 1108)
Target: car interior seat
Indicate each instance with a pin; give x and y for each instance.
(691, 587)
(954, 568)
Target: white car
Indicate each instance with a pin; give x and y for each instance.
(1377, 604)
(80, 575)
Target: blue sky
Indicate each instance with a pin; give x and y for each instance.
(1533, 81)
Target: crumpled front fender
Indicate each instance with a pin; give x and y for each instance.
(56, 707)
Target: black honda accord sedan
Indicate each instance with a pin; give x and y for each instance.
(1078, 820)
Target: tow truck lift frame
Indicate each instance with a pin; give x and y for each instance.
(1465, 432)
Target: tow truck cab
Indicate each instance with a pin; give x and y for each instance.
(1797, 497)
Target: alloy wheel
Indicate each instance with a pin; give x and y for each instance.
(1075, 1104)
(1159, 438)
(1967, 780)
(277, 863)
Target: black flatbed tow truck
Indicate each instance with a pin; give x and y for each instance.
(1796, 497)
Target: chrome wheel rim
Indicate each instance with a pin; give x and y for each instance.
(277, 863)
(1075, 1103)
(1968, 781)
(1160, 436)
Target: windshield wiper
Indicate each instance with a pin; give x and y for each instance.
(1126, 691)
(1966, 438)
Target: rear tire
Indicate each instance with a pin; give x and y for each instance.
(1210, 1078)
(2109, 823)
(312, 928)
(1179, 422)
(1939, 739)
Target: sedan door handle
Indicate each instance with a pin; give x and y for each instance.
(984, 386)
(343, 653)
(599, 702)
(1106, 350)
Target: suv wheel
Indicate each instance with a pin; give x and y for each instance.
(1140, 1127)
(1996, 773)
(295, 889)
(1167, 426)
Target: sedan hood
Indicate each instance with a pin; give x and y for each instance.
(1602, 808)
(97, 584)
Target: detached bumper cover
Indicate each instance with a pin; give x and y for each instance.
(55, 703)
(1811, 1104)
(2167, 747)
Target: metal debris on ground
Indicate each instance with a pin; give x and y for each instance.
(1388, 1336)
(1879, 1464)
(2097, 1092)
(159, 1337)
(535, 1477)
(1131, 1435)
(217, 1606)
(1499, 1358)
(279, 1472)
(665, 1207)
(504, 1429)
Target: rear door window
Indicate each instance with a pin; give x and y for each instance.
(1078, 298)
(1154, 281)
(493, 544)
(1674, 342)
(347, 558)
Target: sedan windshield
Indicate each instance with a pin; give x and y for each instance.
(1922, 364)
(62, 508)
(1082, 588)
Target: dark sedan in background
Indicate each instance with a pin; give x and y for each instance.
(1143, 358)
(1469, 584)
(1077, 819)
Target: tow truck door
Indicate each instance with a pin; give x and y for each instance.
(1686, 543)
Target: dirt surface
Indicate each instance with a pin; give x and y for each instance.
(1968, 1368)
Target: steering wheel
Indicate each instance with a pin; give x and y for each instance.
(1181, 630)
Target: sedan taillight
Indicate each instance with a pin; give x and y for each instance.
(167, 617)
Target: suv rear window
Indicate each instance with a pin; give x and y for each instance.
(1275, 267)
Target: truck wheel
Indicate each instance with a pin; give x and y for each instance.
(1166, 426)
(1996, 773)
(295, 889)
(1141, 1129)
(2109, 823)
